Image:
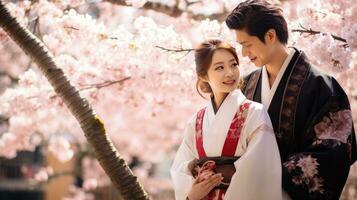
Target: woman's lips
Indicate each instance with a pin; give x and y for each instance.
(230, 82)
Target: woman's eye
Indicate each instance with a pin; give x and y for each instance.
(234, 65)
(219, 68)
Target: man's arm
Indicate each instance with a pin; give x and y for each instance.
(320, 169)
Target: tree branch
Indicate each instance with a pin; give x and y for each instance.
(173, 11)
(59, 174)
(89, 86)
(313, 32)
(174, 50)
(104, 84)
(188, 3)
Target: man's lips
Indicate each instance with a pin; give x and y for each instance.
(253, 59)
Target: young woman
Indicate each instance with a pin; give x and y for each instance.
(229, 149)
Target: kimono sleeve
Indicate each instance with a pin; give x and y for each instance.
(180, 173)
(320, 168)
(258, 170)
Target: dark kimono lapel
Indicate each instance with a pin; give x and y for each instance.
(253, 86)
(284, 100)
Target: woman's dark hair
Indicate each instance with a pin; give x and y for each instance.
(203, 59)
(256, 17)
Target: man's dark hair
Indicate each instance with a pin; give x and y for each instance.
(256, 17)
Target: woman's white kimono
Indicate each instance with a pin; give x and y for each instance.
(258, 170)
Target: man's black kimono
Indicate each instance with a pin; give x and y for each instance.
(312, 121)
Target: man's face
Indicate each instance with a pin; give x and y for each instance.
(258, 52)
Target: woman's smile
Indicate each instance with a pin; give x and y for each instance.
(229, 82)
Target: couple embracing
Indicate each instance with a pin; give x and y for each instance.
(284, 131)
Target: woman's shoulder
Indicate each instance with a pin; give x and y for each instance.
(192, 119)
(257, 111)
(258, 114)
(255, 106)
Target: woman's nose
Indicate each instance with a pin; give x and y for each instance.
(229, 72)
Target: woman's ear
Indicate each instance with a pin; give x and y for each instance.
(204, 85)
(270, 36)
(203, 78)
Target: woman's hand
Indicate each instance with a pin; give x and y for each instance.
(203, 185)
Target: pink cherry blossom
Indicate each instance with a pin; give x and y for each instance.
(97, 43)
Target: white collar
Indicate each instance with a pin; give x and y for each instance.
(229, 105)
(267, 92)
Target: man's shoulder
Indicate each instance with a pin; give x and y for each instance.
(247, 76)
(316, 74)
(322, 82)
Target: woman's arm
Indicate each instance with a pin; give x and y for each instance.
(258, 171)
(180, 173)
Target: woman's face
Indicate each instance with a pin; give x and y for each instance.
(223, 74)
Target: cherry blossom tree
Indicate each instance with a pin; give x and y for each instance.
(132, 60)
(91, 125)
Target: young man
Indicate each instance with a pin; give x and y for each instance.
(309, 110)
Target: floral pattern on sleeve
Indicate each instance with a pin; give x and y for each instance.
(336, 127)
(305, 170)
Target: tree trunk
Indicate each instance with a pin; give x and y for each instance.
(111, 161)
